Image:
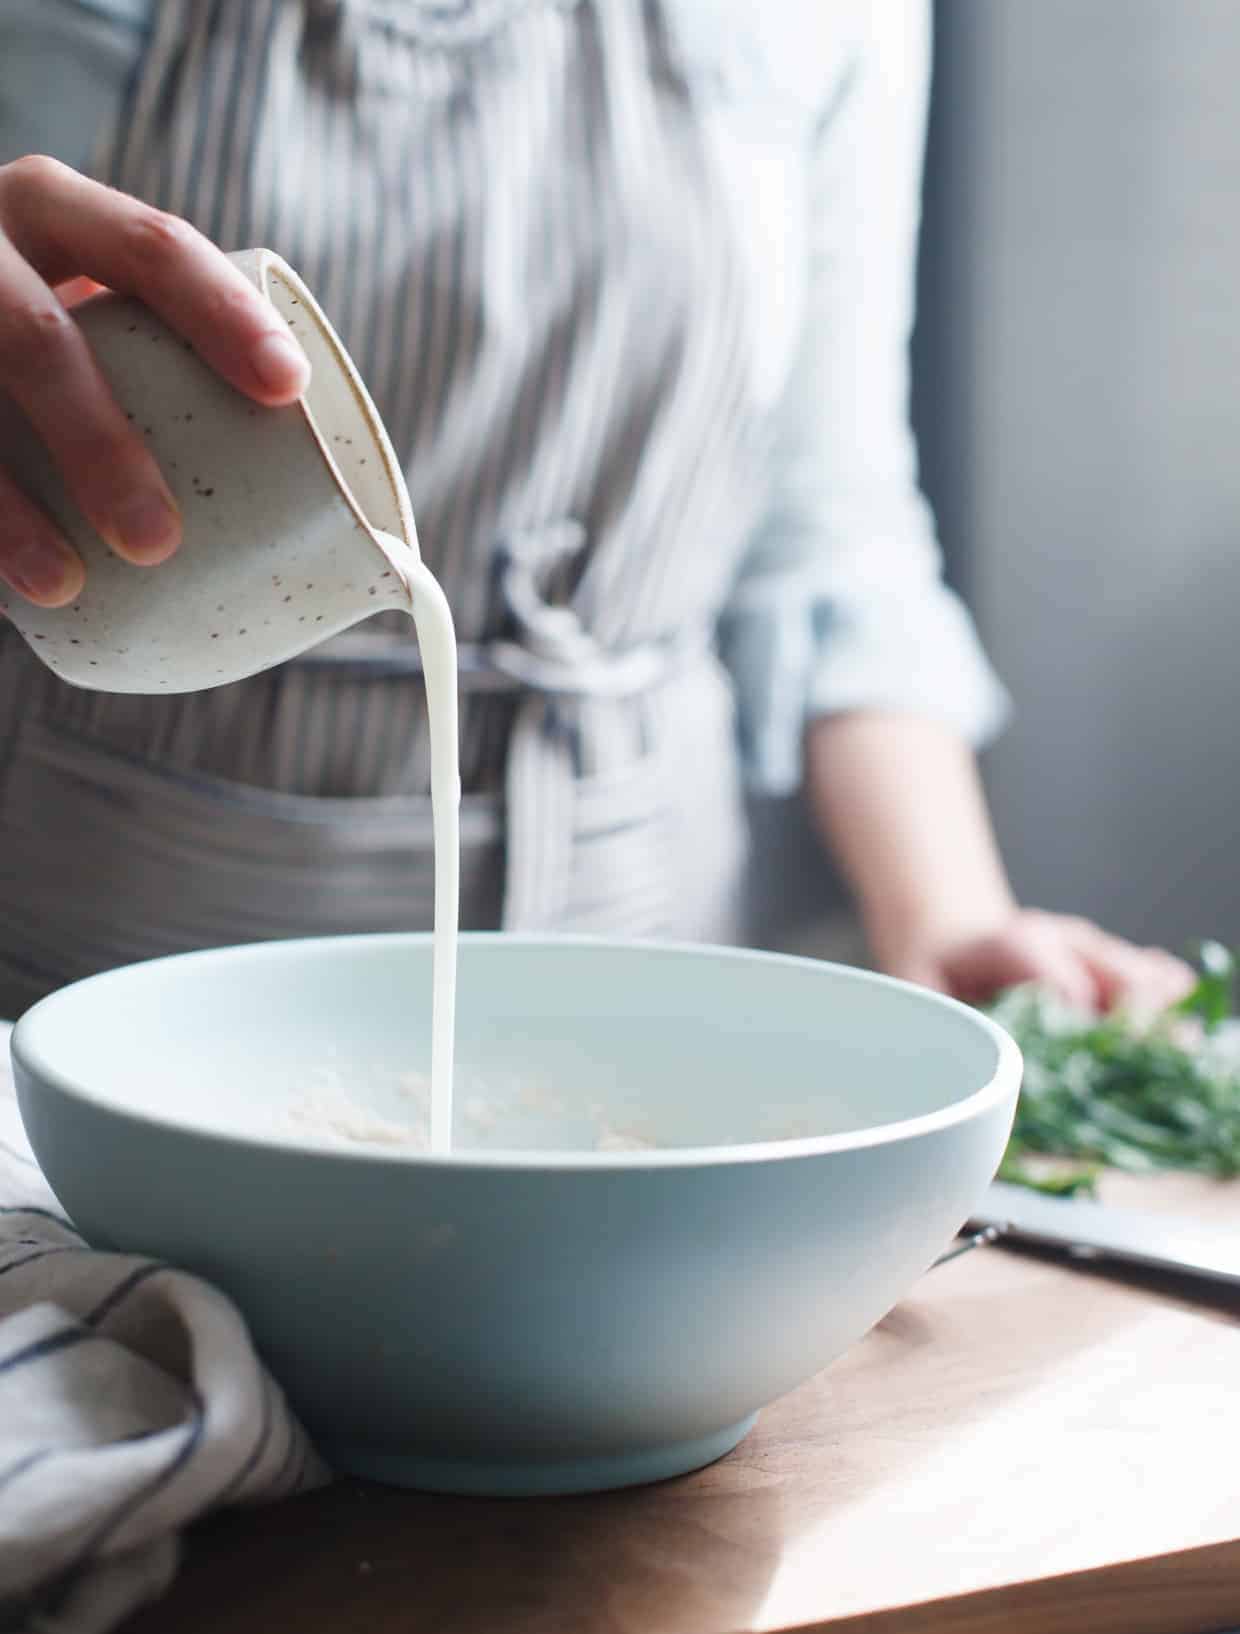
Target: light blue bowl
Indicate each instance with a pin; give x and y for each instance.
(524, 1319)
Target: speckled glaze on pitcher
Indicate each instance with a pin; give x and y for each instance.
(283, 509)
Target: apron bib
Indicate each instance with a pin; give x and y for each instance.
(507, 210)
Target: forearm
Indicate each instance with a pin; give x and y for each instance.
(898, 801)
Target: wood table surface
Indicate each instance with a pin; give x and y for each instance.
(1020, 1447)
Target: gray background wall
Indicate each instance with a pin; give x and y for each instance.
(1085, 296)
(1078, 403)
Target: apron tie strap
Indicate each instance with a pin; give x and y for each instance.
(546, 656)
(539, 775)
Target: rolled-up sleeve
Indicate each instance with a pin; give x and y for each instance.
(842, 604)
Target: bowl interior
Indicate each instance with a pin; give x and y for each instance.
(563, 1045)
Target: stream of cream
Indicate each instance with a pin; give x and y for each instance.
(432, 619)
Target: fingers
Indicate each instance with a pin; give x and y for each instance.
(1176, 977)
(1021, 952)
(47, 368)
(1062, 969)
(34, 560)
(66, 225)
(1145, 980)
(61, 237)
(1087, 967)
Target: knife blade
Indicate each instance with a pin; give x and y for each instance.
(1096, 1230)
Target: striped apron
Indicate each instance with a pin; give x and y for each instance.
(509, 211)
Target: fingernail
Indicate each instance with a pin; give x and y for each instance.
(147, 528)
(37, 571)
(46, 573)
(280, 363)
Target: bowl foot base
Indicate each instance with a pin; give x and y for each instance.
(475, 1478)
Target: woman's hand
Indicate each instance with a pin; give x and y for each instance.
(1086, 966)
(900, 803)
(56, 229)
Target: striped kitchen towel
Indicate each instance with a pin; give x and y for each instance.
(131, 1402)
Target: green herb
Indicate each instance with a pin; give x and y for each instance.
(1107, 1092)
(1214, 995)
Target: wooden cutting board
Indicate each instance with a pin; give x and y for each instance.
(1019, 1447)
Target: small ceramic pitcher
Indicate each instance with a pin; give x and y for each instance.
(282, 510)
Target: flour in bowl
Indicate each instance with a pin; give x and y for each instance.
(347, 1108)
(333, 1115)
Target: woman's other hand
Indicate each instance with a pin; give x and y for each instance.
(1084, 965)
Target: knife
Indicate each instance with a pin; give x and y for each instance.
(1096, 1231)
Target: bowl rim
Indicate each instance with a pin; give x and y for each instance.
(26, 1053)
